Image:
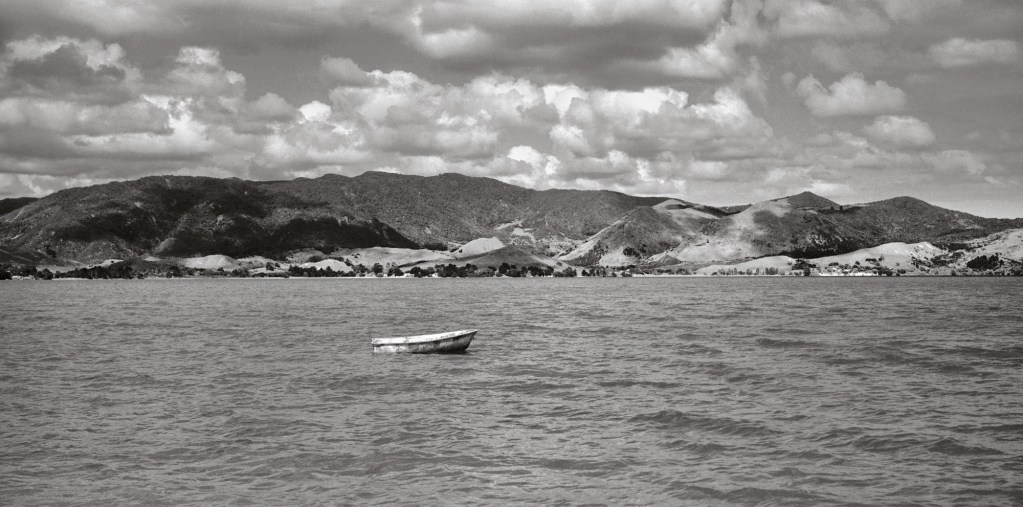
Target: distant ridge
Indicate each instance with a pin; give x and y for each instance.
(168, 216)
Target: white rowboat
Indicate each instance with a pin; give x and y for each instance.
(453, 341)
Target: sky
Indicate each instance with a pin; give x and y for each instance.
(712, 101)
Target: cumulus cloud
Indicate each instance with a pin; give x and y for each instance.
(463, 33)
(67, 68)
(850, 96)
(669, 38)
(200, 72)
(653, 97)
(66, 117)
(959, 52)
(194, 117)
(916, 10)
(708, 170)
(957, 161)
(271, 107)
(315, 111)
(344, 71)
(848, 57)
(718, 56)
(812, 18)
(903, 131)
(830, 189)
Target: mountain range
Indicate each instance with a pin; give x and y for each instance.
(183, 216)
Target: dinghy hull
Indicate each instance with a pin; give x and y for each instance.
(442, 343)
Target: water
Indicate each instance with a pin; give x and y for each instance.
(576, 391)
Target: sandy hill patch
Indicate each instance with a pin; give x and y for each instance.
(254, 261)
(890, 255)
(1007, 244)
(644, 232)
(479, 246)
(511, 255)
(675, 207)
(394, 256)
(733, 237)
(211, 262)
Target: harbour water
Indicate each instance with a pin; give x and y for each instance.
(703, 391)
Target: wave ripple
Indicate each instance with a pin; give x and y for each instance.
(627, 391)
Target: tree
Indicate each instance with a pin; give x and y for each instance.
(984, 263)
(567, 272)
(378, 269)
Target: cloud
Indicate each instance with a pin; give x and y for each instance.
(956, 162)
(718, 56)
(271, 107)
(315, 111)
(708, 170)
(200, 72)
(344, 71)
(667, 38)
(66, 117)
(554, 35)
(206, 21)
(848, 57)
(850, 96)
(194, 117)
(538, 98)
(67, 69)
(901, 131)
(916, 10)
(810, 18)
(959, 52)
(830, 189)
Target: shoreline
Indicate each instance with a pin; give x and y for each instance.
(701, 276)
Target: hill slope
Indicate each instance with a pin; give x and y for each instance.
(185, 216)
(195, 216)
(457, 209)
(809, 226)
(9, 205)
(642, 233)
(910, 220)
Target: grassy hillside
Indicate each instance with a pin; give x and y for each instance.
(457, 208)
(9, 205)
(192, 216)
(182, 216)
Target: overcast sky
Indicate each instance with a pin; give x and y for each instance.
(711, 101)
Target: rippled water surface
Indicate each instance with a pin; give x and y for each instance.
(619, 391)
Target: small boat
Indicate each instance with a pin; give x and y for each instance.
(440, 343)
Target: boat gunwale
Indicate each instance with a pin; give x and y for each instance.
(425, 338)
